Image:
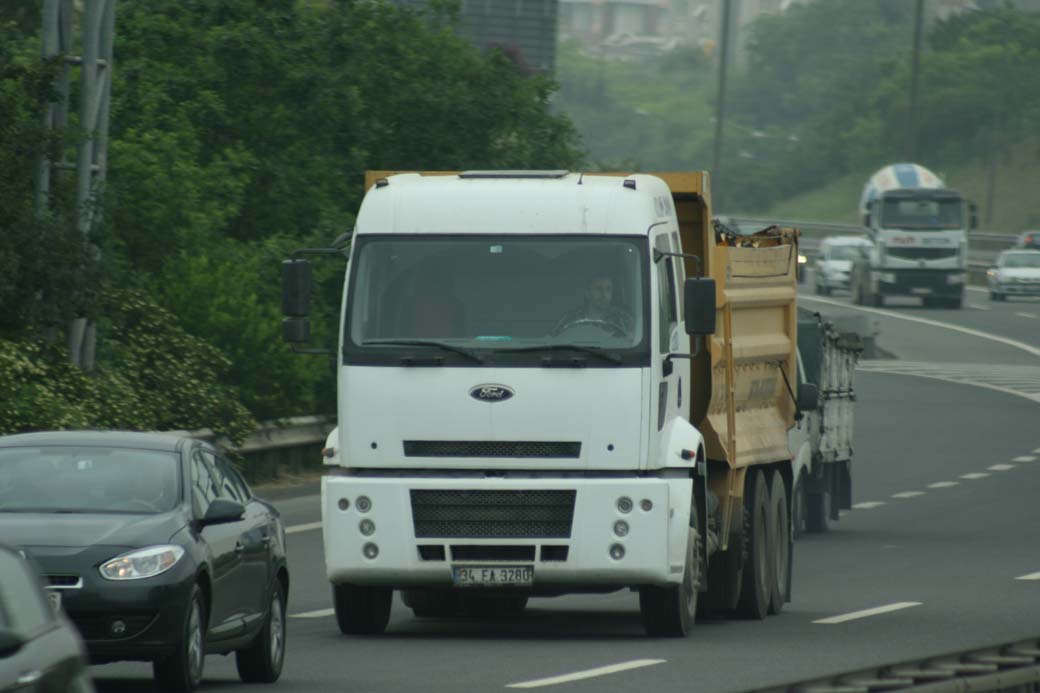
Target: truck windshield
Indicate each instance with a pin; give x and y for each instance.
(922, 213)
(502, 295)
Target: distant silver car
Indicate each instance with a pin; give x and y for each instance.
(834, 259)
(1017, 273)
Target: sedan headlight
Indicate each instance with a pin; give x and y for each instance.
(142, 563)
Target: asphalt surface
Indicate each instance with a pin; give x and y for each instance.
(945, 478)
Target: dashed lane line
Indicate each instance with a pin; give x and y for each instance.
(974, 475)
(1031, 576)
(867, 505)
(975, 307)
(944, 484)
(865, 613)
(1001, 467)
(588, 673)
(1024, 458)
(1028, 348)
(1026, 315)
(303, 528)
(908, 494)
(320, 613)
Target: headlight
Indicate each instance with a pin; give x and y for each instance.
(802, 259)
(143, 563)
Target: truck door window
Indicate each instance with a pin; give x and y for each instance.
(667, 309)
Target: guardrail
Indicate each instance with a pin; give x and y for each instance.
(983, 247)
(285, 446)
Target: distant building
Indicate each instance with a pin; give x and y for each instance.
(525, 30)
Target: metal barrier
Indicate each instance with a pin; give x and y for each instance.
(285, 446)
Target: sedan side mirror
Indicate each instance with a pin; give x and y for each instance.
(808, 397)
(699, 305)
(221, 511)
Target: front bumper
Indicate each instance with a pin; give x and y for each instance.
(130, 620)
(919, 282)
(1018, 288)
(423, 553)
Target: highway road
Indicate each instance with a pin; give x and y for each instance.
(941, 551)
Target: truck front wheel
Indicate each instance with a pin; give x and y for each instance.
(361, 609)
(670, 611)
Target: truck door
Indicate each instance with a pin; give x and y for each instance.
(673, 385)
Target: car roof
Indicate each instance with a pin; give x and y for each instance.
(169, 442)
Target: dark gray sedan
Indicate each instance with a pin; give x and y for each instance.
(154, 546)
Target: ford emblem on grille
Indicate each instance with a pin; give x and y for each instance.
(491, 393)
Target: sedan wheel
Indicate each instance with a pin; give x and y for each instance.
(262, 661)
(182, 670)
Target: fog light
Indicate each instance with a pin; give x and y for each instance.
(363, 504)
(368, 528)
(117, 627)
(344, 504)
(621, 528)
(624, 504)
(370, 550)
(617, 552)
(646, 505)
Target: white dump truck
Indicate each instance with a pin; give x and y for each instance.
(555, 382)
(919, 233)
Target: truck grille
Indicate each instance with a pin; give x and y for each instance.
(490, 448)
(492, 514)
(921, 253)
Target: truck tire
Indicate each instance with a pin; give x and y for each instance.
(426, 603)
(817, 511)
(725, 572)
(758, 567)
(361, 609)
(799, 508)
(996, 296)
(669, 611)
(779, 543)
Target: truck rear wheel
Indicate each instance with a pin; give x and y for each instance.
(779, 542)
(817, 511)
(758, 568)
(670, 611)
(362, 609)
(798, 507)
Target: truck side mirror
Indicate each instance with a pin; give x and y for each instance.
(808, 397)
(699, 305)
(296, 288)
(973, 216)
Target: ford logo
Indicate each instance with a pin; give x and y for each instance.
(491, 393)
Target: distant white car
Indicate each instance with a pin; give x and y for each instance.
(834, 259)
(1017, 273)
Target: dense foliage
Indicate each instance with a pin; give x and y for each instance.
(240, 129)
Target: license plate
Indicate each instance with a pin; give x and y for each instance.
(921, 290)
(492, 576)
(54, 597)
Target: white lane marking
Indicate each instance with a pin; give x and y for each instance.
(1001, 467)
(974, 475)
(1028, 348)
(972, 305)
(908, 494)
(303, 528)
(1026, 315)
(944, 484)
(955, 381)
(1037, 450)
(588, 673)
(867, 505)
(977, 288)
(1024, 458)
(1031, 576)
(842, 618)
(320, 613)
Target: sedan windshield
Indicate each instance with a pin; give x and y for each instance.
(1020, 260)
(846, 252)
(473, 296)
(88, 479)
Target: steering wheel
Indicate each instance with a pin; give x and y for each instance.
(604, 325)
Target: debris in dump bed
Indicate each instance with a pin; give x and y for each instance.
(773, 235)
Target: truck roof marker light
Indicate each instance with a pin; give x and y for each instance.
(630, 184)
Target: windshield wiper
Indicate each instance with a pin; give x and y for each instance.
(595, 351)
(472, 355)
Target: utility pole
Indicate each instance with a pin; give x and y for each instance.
(720, 100)
(911, 147)
(95, 65)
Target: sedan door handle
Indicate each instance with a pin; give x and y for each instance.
(239, 548)
(28, 678)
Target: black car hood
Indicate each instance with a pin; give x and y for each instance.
(79, 530)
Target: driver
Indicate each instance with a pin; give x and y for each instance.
(598, 308)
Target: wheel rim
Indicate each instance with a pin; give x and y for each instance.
(277, 629)
(195, 642)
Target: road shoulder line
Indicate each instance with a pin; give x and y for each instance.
(587, 673)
